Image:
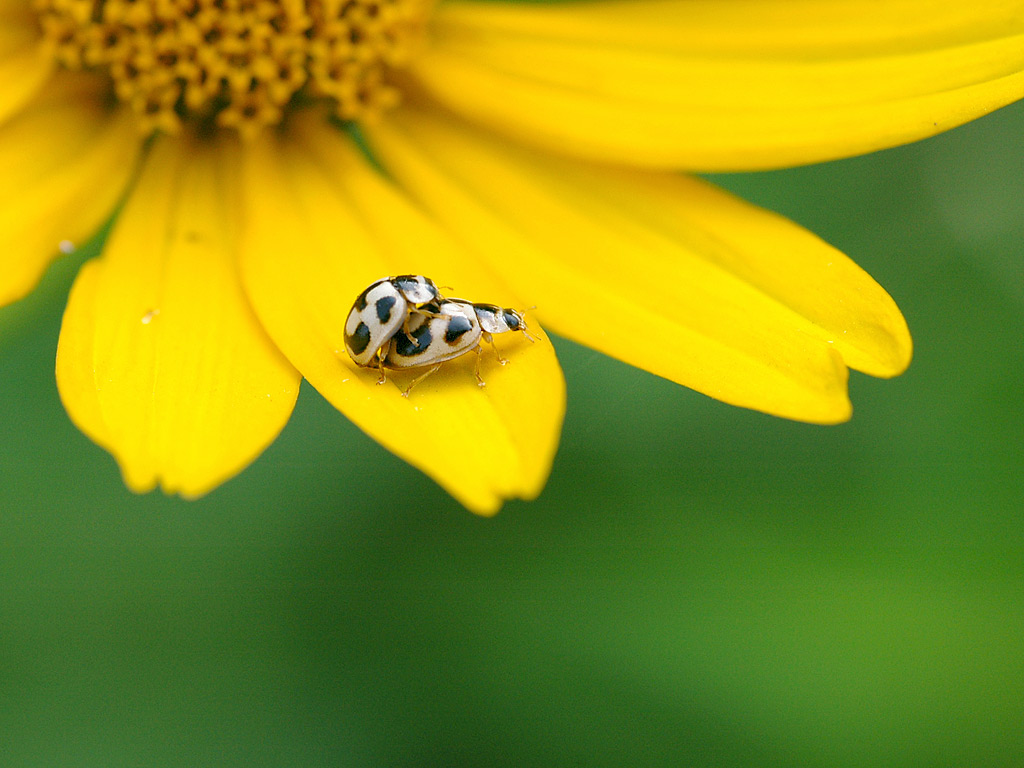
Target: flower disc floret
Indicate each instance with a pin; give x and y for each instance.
(240, 63)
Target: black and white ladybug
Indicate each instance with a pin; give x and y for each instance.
(431, 333)
(381, 310)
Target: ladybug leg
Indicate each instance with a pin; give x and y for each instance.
(424, 310)
(418, 379)
(490, 340)
(381, 354)
(476, 369)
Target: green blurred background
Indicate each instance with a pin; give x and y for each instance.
(698, 585)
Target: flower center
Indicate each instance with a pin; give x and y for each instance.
(238, 62)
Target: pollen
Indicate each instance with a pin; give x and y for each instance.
(239, 63)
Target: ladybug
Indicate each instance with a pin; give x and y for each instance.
(430, 333)
(381, 310)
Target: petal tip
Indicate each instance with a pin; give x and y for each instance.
(489, 509)
(140, 482)
(902, 354)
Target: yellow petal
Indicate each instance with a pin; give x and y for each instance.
(76, 379)
(15, 9)
(160, 359)
(712, 85)
(321, 224)
(24, 63)
(664, 272)
(66, 162)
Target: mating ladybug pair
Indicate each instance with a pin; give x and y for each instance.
(405, 323)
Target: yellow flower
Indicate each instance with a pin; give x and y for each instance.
(265, 160)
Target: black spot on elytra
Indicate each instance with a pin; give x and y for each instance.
(416, 343)
(358, 341)
(457, 327)
(415, 286)
(405, 282)
(361, 301)
(383, 307)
